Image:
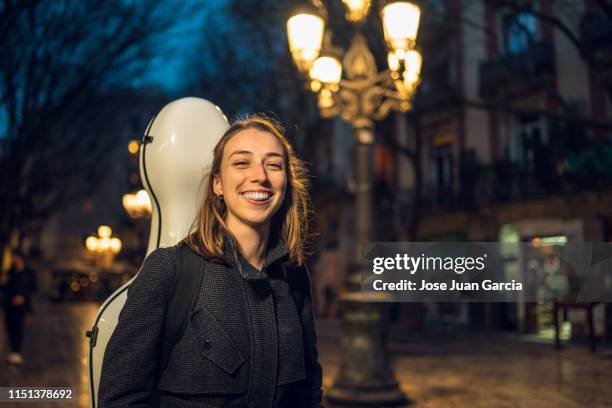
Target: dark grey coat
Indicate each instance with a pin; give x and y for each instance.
(247, 343)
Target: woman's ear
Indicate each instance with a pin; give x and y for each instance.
(217, 186)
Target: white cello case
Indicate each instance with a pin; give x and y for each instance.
(176, 152)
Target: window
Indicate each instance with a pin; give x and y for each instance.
(519, 32)
(442, 170)
(524, 140)
(531, 141)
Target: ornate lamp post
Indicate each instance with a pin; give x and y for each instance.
(104, 245)
(362, 96)
(137, 205)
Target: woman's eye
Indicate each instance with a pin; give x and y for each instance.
(276, 166)
(241, 163)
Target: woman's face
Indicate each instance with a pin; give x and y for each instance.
(253, 177)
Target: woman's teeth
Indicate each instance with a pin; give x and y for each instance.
(257, 196)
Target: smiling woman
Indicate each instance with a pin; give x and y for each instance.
(256, 188)
(252, 180)
(250, 339)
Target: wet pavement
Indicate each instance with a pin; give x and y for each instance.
(445, 370)
(480, 370)
(55, 352)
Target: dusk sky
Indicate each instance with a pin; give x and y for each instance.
(168, 69)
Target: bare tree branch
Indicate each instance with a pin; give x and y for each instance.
(59, 60)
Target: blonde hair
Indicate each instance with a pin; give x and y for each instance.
(290, 223)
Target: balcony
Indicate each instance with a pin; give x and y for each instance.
(553, 170)
(512, 74)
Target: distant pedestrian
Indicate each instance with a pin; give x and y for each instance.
(18, 285)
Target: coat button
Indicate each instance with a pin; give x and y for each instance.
(207, 344)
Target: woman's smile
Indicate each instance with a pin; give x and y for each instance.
(257, 197)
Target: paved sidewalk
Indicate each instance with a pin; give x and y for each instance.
(480, 370)
(469, 370)
(55, 351)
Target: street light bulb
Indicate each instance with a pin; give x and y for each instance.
(315, 86)
(128, 202)
(133, 146)
(104, 231)
(326, 99)
(142, 196)
(326, 70)
(400, 25)
(413, 61)
(305, 33)
(104, 244)
(91, 243)
(115, 245)
(393, 61)
(357, 10)
(143, 200)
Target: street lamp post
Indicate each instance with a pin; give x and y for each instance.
(137, 205)
(104, 246)
(364, 95)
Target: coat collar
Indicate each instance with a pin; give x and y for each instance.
(276, 251)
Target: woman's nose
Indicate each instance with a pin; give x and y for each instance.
(259, 173)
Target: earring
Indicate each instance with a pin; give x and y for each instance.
(220, 197)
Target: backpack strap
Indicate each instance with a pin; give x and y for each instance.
(296, 288)
(186, 287)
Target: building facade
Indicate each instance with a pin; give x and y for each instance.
(512, 126)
